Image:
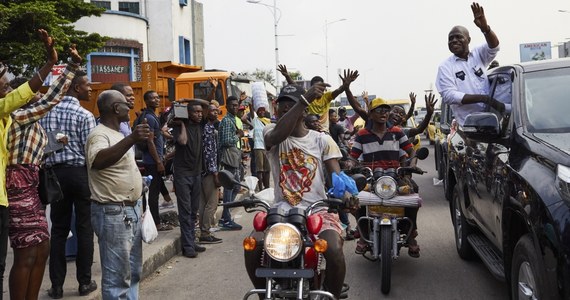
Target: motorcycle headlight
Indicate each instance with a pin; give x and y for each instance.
(385, 187)
(283, 242)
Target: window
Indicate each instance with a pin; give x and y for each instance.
(131, 7)
(102, 4)
(184, 50)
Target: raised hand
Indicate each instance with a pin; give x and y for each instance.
(213, 82)
(49, 44)
(316, 91)
(75, 57)
(479, 17)
(283, 70)
(413, 98)
(365, 98)
(430, 103)
(349, 77)
(142, 131)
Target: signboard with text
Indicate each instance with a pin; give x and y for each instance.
(535, 51)
(110, 69)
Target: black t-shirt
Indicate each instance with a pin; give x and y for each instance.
(188, 158)
(337, 132)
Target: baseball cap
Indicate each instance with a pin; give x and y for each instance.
(291, 91)
(378, 102)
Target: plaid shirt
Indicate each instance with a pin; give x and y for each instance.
(26, 138)
(76, 122)
(228, 127)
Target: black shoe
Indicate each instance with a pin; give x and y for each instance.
(56, 292)
(199, 248)
(86, 289)
(209, 239)
(191, 254)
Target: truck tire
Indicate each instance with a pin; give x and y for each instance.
(461, 227)
(527, 272)
(386, 257)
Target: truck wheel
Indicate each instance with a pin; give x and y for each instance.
(462, 228)
(386, 258)
(526, 274)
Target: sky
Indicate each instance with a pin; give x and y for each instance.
(396, 46)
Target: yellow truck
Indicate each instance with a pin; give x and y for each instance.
(174, 81)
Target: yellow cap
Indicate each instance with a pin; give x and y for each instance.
(378, 102)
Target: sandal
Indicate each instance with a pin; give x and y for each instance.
(413, 247)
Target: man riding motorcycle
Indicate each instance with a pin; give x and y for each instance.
(299, 160)
(384, 147)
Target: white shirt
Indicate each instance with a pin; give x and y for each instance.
(456, 77)
(297, 167)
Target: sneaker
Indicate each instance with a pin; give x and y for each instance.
(209, 239)
(214, 229)
(230, 225)
(191, 254)
(199, 248)
(167, 204)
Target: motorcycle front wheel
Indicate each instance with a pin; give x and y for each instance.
(386, 257)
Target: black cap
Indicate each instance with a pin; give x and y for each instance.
(342, 108)
(291, 91)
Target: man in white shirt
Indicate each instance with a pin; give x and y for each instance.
(461, 79)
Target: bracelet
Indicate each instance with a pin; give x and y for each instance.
(488, 30)
(304, 100)
(40, 77)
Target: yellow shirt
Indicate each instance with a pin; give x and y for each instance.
(14, 100)
(321, 107)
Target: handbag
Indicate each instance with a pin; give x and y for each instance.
(231, 156)
(49, 189)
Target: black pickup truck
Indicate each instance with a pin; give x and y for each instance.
(507, 179)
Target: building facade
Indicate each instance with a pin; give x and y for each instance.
(143, 30)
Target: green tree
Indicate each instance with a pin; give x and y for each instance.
(20, 47)
(267, 75)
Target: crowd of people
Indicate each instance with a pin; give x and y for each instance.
(301, 148)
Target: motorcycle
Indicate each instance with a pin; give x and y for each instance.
(386, 194)
(292, 260)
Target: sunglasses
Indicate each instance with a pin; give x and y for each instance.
(381, 110)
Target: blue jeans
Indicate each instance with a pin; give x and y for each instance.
(187, 190)
(120, 248)
(230, 194)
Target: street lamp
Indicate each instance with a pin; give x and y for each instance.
(276, 19)
(327, 43)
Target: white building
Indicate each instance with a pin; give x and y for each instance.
(144, 30)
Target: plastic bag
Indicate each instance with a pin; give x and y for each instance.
(148, 228)
(342, 183)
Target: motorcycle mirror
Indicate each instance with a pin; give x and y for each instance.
(422, 153)
(360, 181)
(227, 179)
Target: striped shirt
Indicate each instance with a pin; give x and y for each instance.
(26, 138)
(76, 122)
(382, 152)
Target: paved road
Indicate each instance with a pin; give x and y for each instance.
(439, 273)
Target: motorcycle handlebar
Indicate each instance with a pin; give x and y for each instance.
(410, 170)
(247, 203)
